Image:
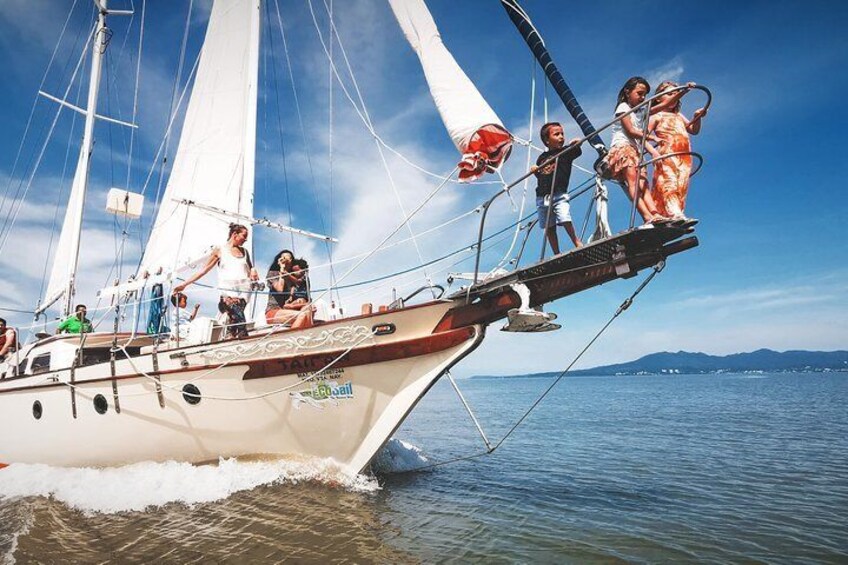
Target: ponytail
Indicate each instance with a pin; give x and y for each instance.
(234, 229)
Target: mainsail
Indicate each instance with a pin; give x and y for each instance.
(473, 126)
(215, 160)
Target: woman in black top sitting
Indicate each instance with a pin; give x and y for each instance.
(289, 295)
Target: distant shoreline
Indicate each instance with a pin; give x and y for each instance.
(589, 375)
(687, 363)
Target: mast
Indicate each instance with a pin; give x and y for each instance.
(66, 260)
(98, 47)
(537, 46)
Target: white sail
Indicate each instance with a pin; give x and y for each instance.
(215, 160)
(473, 126)
(64, 260)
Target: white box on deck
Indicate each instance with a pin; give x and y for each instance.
(124, 203)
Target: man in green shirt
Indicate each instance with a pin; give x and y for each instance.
(77, 323)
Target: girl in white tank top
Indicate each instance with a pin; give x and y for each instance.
(234, 276)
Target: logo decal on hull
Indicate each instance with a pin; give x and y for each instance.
(322, 392)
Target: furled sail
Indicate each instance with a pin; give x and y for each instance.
(471, 123)
(215, 160)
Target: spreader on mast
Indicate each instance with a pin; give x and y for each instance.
(63, 275)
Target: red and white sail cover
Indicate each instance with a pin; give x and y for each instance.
(473, 126)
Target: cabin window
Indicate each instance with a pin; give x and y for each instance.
(22, 367)
(40, 364)
(95, 355)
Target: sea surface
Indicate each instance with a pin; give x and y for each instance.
(684, 469)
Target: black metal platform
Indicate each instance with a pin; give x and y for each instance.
(619, 256)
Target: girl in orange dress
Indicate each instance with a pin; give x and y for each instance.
(671, 174)
(624, 159)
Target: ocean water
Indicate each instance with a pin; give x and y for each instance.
(713, 468)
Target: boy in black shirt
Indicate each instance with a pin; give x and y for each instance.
(551, 192)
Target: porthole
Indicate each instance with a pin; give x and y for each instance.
(101, 404)
(191, 394)
(37, 410)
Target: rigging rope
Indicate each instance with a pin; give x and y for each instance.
(314, 184)
(172, 112)
(18, 204)
(492, 448)
(330, 137)
(35, 103)
(135, 94)
(528, 164)
(280, 125)
(393, 232)
(369, 124)
(379, 139)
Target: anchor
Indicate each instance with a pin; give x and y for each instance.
(527, 319)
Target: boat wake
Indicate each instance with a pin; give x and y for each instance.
(141, 486)
(398, 456)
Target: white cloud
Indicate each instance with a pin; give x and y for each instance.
(672, 70)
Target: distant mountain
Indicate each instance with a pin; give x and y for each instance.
(685, 362)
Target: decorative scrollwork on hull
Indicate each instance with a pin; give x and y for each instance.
(343, 335)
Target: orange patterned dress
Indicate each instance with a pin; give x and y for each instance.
(671, 175)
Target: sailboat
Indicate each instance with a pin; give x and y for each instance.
(336, 390)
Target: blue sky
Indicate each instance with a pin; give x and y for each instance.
(771, 267)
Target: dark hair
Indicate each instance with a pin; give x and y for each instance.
(631, 83)
(546, 131)
(176, 296)
(301, 289)
(235, 228)
(80, 306)
(3, 321)
(275, 264)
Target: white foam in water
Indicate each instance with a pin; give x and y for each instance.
(398, 456)
(9, 557)
(144, 485)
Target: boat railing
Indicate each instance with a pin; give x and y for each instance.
(600, 172)
(401, 302)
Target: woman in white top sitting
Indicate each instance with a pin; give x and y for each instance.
(235, 273)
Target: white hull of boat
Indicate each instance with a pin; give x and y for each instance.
(257, 396)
